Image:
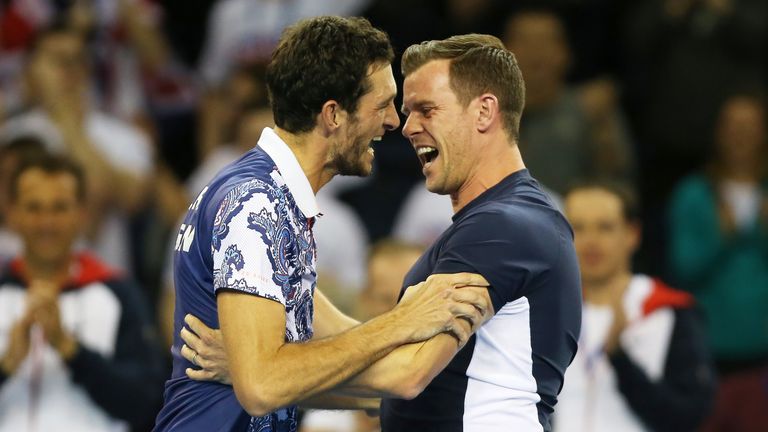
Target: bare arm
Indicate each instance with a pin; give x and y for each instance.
(406, 371)
(268, 373)
(329, 401)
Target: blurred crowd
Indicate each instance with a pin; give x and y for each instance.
(150, 99)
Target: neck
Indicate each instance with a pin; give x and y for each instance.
(497, 161)
(603, 292)
(53, 271)
(311, 150)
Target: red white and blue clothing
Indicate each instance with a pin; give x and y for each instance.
(249, 231)
(114, 377)
(659, 379)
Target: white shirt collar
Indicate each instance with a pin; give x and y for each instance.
(291, 172)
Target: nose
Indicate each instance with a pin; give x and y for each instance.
(411, 126)
(391, 120)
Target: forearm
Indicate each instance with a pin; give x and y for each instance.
(332, 401)
(301, 370)
(406, 371)
(118, 186)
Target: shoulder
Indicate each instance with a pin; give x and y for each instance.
(528, 225)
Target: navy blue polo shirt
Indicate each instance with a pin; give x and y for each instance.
(509, 374)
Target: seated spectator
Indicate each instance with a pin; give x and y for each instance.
(643, 363)
(566, 132)
(117, 157)
(11, 155)
(719, 252)
(77, 352)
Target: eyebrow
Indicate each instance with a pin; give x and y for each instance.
(416, 105)
(388, 100)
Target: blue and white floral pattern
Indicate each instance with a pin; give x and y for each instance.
(263, 245)
(282, 420)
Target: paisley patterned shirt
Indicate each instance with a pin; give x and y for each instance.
(249, 231)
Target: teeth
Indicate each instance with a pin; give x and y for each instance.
(378, 138)
(424, 150)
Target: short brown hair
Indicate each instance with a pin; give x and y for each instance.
(320, 59)
(479, 64)
(626, 194)
(49, 164)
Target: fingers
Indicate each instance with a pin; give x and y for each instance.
(200, 374)
(468, 312)
(457, 279)
(191, 355)
(191, 339)
(196, 325)
(477, 297)
(461, 330)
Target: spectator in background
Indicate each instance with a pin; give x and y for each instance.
(680, 57)
(389, 260)
(244, 32)
(643, 362)
(77, 352)
(126, 47)
(719, 252)
(12, 154)
(116, 156)
(566, 132)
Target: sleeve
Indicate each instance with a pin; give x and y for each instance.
(681, 399)
(128, 386)
(253, 242)
(511, 253)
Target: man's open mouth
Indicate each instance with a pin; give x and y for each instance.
(426, 155)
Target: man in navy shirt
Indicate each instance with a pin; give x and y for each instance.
(463, 97)
(245, 255)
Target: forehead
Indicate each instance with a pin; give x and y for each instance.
(585, 204)
(431, 79)
(382, 81)
(36, 182)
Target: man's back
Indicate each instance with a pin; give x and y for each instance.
(509, 374)
(245, 222)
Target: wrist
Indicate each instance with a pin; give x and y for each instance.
(67, 348)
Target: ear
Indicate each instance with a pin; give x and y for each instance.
(331, 116)
(488, 111)
(635, 234)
